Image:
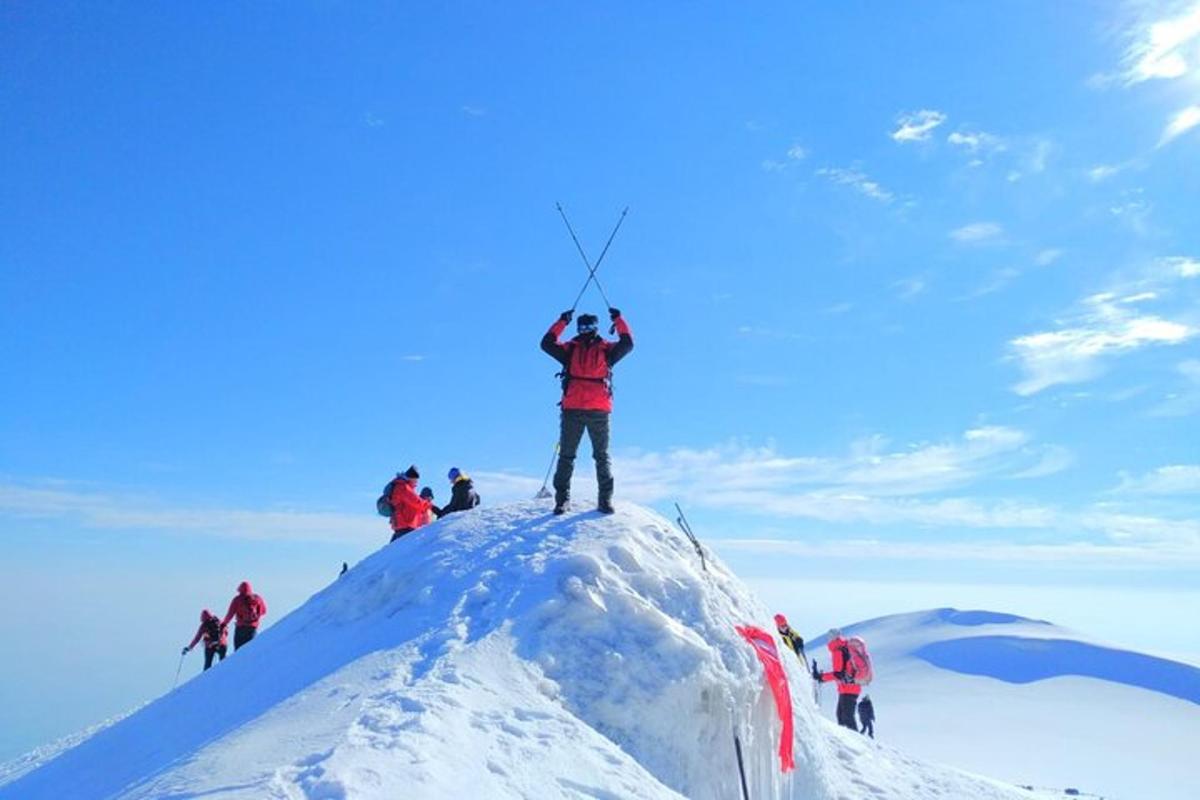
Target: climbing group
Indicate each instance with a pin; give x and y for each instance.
(407, 509)
(247, 608)
(851, 670)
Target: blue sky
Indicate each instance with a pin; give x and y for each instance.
(916, 293)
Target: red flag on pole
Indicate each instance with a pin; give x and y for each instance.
(764, 647)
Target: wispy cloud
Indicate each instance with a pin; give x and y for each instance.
(998, 280)
(1046, 257)
(1102, 172)
(1181, 123)
(976, 143)
(979, 233)
(373, 120)
(473, 111)
(413, 357)
(1175, 479)
(797, 153)
(1101, 327)
(908, 288)
(917, 126)
(857, 180)
(1164, 49)
(106, 510)
(1185, 400)
(794, 155)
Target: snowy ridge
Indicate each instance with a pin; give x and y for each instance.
(504, 653)
(1054, 708)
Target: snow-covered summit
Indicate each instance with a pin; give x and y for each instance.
(498, 653)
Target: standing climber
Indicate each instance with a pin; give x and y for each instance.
(214, 635)
(866, 715)
(587, 362)
(843, 673)
(409, 510)
(462, 493)
(249, 608)
(793, 640)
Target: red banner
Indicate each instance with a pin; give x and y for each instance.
(764, 647)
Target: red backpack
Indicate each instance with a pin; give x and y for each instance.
(857, 661)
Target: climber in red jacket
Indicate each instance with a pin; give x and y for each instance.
(249, 608)
(843, 673)
(409, 510)
(587, 362)
(214, 635)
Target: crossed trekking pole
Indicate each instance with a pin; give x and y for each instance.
(591, 278)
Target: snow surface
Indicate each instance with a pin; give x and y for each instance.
(1033, 703)
(500, 653)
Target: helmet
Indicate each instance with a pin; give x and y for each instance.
(453, 474)
(780, 621)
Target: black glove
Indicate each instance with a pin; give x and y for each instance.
(566, 316)
(185, 651)
(613, 313)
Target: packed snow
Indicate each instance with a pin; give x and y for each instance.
(1033, 703)
(504, 653)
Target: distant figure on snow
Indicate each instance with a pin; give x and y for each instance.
(793, 640)
(249, 608)
(214, 635)
(587, 362)
(843, 673)
(462, 493)
(866, 715)
(409, 510)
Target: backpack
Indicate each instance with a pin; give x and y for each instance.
(857, 661)
(384, 504)
(212, 632)
(252, 607)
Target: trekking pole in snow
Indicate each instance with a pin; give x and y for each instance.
(544, 492)
(591, 269)
(737, 746)
(178, 670)
(684, 526)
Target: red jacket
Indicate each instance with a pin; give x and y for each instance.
(248, 607)
(222, 638)
(409, 510)
(587, 361)
(839, 673)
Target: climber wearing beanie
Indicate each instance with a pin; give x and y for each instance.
(409, 511)
(587, 362)
(462, 493)
(792, 639)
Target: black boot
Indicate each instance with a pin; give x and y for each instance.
(560, 508)
(605, 507)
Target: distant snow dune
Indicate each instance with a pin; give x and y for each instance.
(499, 653)
(1034, 703)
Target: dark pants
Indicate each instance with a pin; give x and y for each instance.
(241, 635)
(868, 727)
(396, 534)
(847, 704)
(217, 650)
(574, 423)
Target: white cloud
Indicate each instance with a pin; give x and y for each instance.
(373, 120)
(978, 233)
(1046, 257)
(908, 288)
(1105, 325)
(1170, 480)
(917, 126)
(414, 357)
(998, 280)
(1180, 124)
(1186, 400)
(474, 111)
(976, 142)
(797, 153)
(771, 165)
(96, 509)
(857, 180)
(1164, 49)
(1054, 460)
(1102, 172)
(1184, 267)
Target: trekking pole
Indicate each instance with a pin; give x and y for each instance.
(178, 670)
(543, 492)
(737, 746)
(684, 526)
(591, 269)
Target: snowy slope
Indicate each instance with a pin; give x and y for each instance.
(1033, 703)
(500, 653)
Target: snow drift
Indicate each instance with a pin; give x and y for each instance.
(1033, 702)
(503, 653)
